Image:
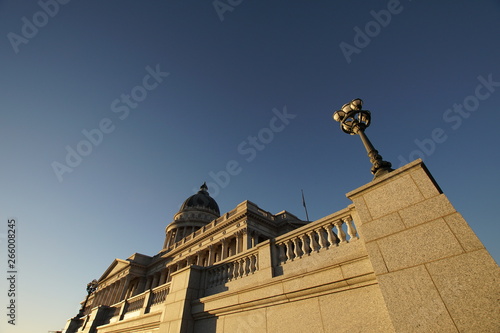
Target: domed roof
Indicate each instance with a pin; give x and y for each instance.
(201, 200)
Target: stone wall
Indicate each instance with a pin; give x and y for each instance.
(434, 273)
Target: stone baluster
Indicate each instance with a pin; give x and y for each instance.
(218, 275)
(340, 232)
(253, 263)
(236, 270)
(322, 238)
(305, 245)
(350, 228)
(297, 251)
(242, 268)
(214, 277)
(289, 251)
(230, 273)
(248, 262)
(282, 254)
(332, 239)
(225, 272)
(210, 278)
(314, 243)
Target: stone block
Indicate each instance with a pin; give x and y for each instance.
(469, 285)
(392, 196)
(356, 268)
(300, 316)
(463, 232)
(247, 321)
(355, 310)
(381, 227)
(414, 303)
(265, 259)
(313, 279)
(209, 325)
(220, 302)
(421, 244)
(427, 210)
(261, 292)
(425, 182)
(361, 210)
(377, 261)
(175, 311)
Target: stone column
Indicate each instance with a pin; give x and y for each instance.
(163, 277)
(255, 238)
(148, 282)
(199, 259)
(211, 254)
(167, 240)
(170, 270)
(133, 288)
(109, 295)
(434, 273)
(126, 284)
(154, 284)
(237, 247)
(119, 287)
(224, 248)
(247, 239)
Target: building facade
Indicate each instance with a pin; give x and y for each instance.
(398, 259)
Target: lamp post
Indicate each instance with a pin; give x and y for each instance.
(91, 287)
(354, 121)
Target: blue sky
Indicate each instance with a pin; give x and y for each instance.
(246, 106)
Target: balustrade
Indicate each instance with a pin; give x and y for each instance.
(232, 270)
(159, 295)
(315, 237)
(136, 304)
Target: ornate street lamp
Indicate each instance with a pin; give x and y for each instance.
(354, 121)
(91, 287)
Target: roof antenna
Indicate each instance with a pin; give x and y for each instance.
(304, 204)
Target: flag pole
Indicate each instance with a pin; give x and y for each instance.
(304, 204)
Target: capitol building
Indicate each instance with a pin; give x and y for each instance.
(399, 258)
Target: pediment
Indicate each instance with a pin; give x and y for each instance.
(116, 266)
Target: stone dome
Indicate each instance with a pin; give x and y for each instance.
(201, 200)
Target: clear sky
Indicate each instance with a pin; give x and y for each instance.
(157, 97)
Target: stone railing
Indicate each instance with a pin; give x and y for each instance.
(322, 234)
(135, 303)
(144, 302)
(240, 266)
(159, 294)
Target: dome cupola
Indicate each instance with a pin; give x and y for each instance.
(197, 211)
(201, 200)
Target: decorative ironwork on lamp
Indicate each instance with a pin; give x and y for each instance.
(91, 287)
(354, 121)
